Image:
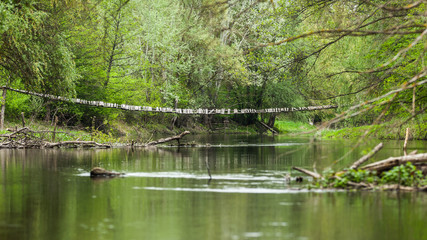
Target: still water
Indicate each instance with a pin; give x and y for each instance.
(166, 193)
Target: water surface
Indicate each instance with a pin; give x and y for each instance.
(166, 193)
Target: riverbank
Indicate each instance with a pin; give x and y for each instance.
(119, 132)
(417, 131)
(122, 132)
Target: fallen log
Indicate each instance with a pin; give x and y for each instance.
(366, 157)
(164, 140)
(395, 161)
(268, 127)
(307, 172)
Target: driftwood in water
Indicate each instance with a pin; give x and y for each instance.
(395, 161)
(310, 173)
(76, 143)
(164, 140)
(366, 157)
(100, 172)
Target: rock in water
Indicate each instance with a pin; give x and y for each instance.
(100, 172)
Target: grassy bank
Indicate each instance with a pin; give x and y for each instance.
(122, 132)
(286, 127)
(119, 131)
(383, 131)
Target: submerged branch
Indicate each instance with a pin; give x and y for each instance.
(74, 143)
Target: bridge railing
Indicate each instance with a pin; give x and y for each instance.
(199, 111)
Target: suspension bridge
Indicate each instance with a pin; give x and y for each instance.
(199, 111)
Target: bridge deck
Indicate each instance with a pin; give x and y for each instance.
(171, 110)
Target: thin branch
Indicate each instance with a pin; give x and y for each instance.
(408, 85)
(405, 8)
(349, 32)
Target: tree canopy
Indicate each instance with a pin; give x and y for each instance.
(366, 56)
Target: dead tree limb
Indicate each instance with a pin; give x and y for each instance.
(406, 140)
(394, 161)
(366, 157)
(164, 140)
(307, 172)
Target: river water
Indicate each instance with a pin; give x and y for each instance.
(166, 193)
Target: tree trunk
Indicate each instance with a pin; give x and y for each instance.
(271, 120)
(3, 108)
(47, 117)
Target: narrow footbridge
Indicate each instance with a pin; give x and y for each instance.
(171, 110)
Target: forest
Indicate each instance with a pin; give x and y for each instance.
(365, 56)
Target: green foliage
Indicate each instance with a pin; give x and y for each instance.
(405, 174)
(358, 175)
(204, 54)
(32, 49)
(350, 175)
(418, 130)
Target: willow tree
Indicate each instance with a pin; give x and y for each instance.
(34, 52)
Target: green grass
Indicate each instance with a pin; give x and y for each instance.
(293, 127)
(382, 131)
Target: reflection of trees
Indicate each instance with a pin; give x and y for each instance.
(41, 194)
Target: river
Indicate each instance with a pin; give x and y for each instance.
(166, 193)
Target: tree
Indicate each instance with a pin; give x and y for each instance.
(33, 50)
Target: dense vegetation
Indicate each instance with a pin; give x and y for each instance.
(367, 56)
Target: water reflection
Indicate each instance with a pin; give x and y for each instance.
(48, 194)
